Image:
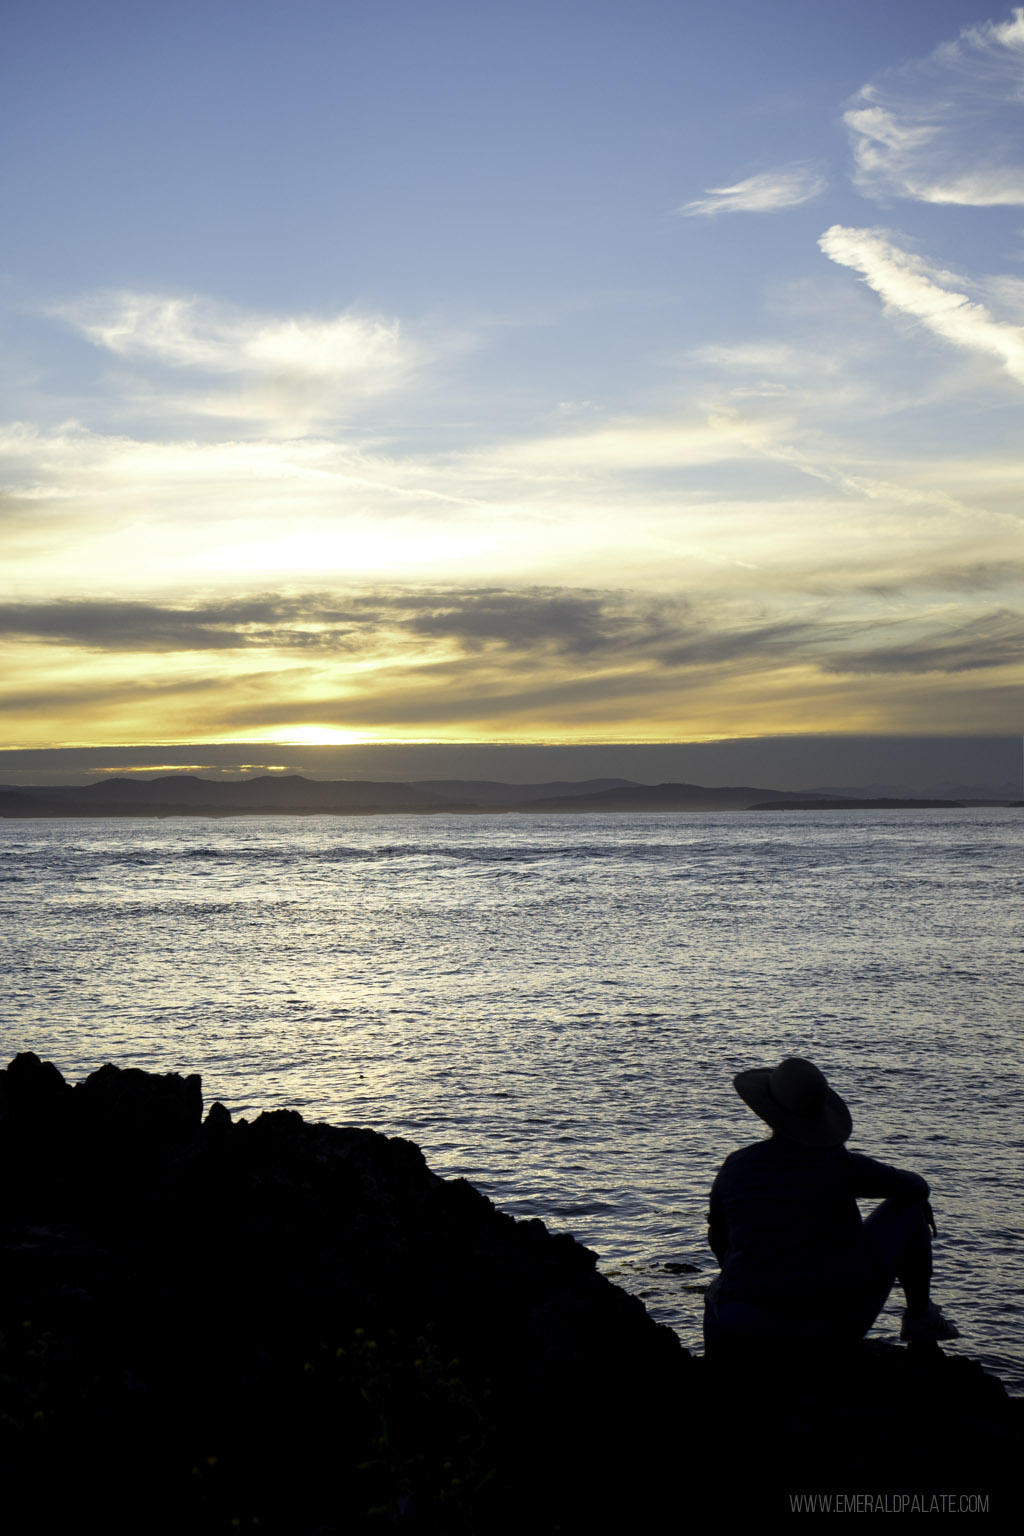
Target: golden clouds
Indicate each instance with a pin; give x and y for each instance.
(506, 664)
(733, 562)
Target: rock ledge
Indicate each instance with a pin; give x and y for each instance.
(209, 1325)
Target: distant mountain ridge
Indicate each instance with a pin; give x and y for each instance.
(187, 794)
(662, 797)
(494, 792)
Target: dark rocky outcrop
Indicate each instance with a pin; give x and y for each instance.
(211, 1325)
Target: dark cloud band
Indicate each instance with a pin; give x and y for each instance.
(485, 632)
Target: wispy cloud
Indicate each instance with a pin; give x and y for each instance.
(911, 286)
(617, 444)
(189, 334)
(296, 368)
(986, 643)
(786, 187)
(947, 128)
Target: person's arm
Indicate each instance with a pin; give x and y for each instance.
(873, 1180)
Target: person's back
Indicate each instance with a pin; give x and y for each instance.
(785, 1224)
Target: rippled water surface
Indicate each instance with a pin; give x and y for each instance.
(554, 1006)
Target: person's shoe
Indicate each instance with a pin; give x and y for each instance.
(929, 1327)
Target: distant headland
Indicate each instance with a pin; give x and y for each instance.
(183, 794)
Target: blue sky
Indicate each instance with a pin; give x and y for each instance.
(565, 372)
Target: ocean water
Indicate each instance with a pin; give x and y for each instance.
(554, 1006)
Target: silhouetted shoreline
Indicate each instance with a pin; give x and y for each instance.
(212, 1324)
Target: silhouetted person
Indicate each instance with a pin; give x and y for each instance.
(799, 1267)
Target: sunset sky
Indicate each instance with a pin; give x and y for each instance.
(564, 371)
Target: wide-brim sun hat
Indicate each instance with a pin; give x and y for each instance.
(795, 1099)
